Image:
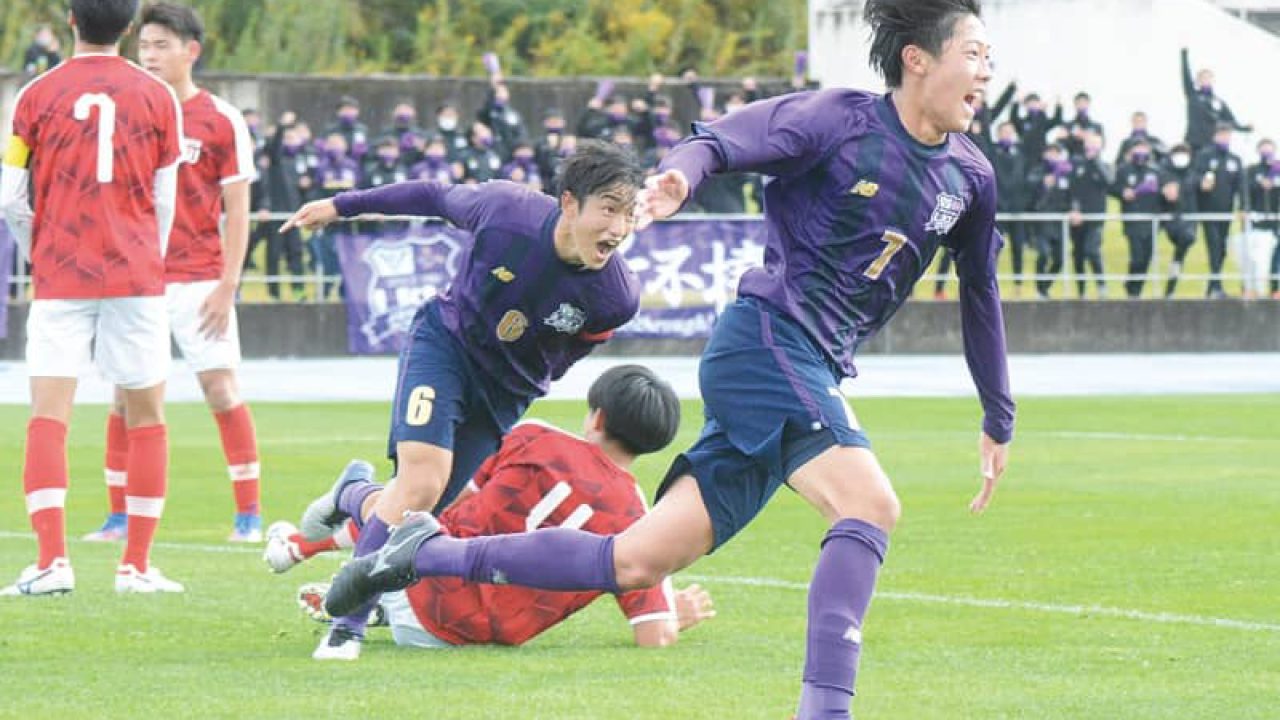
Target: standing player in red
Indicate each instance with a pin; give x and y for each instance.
(540, 477)
(201, 275)
(102, 138)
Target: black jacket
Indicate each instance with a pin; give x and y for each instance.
(1228, 174)
(1204, 111)
(1090, 184)
(1032, 128)
(1147, 181)
(1263, 195)
(1011, 178)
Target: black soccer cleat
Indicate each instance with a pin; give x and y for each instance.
(388, 570)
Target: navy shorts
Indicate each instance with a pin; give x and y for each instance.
(442, 399)
(772, 402)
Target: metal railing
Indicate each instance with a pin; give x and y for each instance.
(317, 280)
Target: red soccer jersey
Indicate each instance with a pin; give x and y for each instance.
(216, 151)
(540, 477)
(97, 128)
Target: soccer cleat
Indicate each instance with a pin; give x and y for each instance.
(311, 600)
(323, 517)
(113, 530)
(281, 553)
(339, 643)
(129, 580)
(248, 529)
(391, 568)
(57, 579)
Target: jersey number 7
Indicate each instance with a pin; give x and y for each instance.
(106, 129)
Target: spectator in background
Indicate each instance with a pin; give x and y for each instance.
(1179, 195)
(404, 129)
(1139, 184)
(547, 151)
(479, 162)
(435, 165)
(1205, 110)
(640, 124)
(985, 115)
(1034, 124)
(1011, 165)
(1052, 183)
(387, 166)
(504, 120)
(1139, 134)
(664, 138)
(1091, 182)
(523, 168)
(600, 118)
(1263, 181)
(447, 125)
(1218, 174)
(257, 187)
(622, 138)
(1081, 125)
(347, 124)
(338, 172)
(287, 186)
(43, 52)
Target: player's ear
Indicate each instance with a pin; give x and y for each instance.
(194, 48)
(569, 204)
(915, 61)
(595, 420)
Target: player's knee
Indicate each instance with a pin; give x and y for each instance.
(220, 391)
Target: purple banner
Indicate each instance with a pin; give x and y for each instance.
(688, 270)
(7, 253)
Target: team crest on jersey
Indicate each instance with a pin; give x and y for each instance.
(502, 273)
(946, 213)
(865, 188)
(567, 319)
(512, 326)
(191, 148)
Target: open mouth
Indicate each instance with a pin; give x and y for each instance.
(605, 248)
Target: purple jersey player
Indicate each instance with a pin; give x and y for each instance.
(539, 288)
(865, 189)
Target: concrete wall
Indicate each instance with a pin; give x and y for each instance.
(319, 330)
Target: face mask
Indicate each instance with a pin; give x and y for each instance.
(661, 116)
(447, 124)
(616, 117)
(388, 158)
(334, 153)
(292, 148)
(1005, 143)
(404, 119)
(1139, 134)
(347, 120)
(1206, 89)
(485, 142)
(1062, 167)
(1141, 158)
(524, 158)
(566, 152)
(1180, 161)
(1268, 156)
(1223, 146)
(1082, 116)
(1036, 112)
(553, 128)
(435, 155)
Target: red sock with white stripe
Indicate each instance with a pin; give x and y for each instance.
(240, 446)
(44, 480)
(116, 462)
(344, 538)
(148, 475)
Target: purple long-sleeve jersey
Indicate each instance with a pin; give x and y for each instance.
(523, 315)
(856, 209)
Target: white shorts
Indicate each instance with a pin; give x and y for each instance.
(126, 337)
(406, 630)
(200, 352)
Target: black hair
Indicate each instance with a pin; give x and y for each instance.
(895, 24)
(347, 101)
(641, 411)
(597, 166)
(102, 22)
(177, 19)
(1033, 97)
(1082, 95)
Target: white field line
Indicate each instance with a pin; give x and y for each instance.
(957, 600)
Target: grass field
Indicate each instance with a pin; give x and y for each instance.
(1128, 569)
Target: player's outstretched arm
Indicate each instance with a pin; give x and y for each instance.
(315, 214)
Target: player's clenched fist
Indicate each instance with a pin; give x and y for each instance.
(315, 214)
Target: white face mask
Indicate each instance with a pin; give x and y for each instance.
(448, 123)
(1180, 161)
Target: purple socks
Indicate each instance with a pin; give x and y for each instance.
(352, 498)
(839, 595)
(550, 559)
(373, 535)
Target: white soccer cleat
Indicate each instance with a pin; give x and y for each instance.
(129, 580)
(57, 579)
(338, 644)
(281, 553)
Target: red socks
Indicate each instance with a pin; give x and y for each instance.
(148, 473)
(44, 481)
(240, 446)
(116, 462)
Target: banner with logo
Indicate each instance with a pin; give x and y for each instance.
(688, 270)
(8, 250)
